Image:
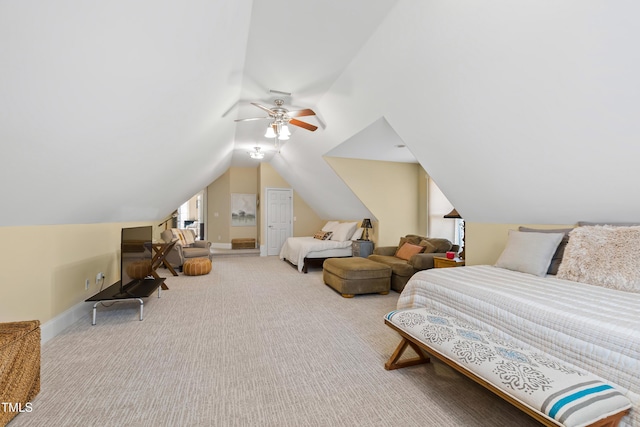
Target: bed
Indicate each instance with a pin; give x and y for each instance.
(595, 327)
(332, 241)
(303, 251)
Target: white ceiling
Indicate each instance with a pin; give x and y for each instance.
(522, 112)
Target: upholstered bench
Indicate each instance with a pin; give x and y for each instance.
(196, 266)
(551, 391)
(354, 276)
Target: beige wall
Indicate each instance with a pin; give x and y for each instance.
(45, 267)
(251, 181)
(306, 223)
(244, 181)
(390, 190)
(218, 220)
(484, 242)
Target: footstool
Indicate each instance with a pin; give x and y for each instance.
(196, 266)
(354, 276)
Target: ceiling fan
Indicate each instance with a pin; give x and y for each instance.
(280, 117)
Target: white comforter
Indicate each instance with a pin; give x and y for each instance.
(594, 328)
(295, 249)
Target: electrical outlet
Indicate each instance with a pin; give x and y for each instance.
(86, 285)
(99, 277)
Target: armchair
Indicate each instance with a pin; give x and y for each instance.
(403, 269)
(186, 246)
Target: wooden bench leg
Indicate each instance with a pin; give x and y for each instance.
(393, 362)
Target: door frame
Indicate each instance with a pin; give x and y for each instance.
(265, 204)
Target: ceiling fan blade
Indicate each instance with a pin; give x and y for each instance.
(300, 113)
(262, 107)
(302, 124)
(251, 118)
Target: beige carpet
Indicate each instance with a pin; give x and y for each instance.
(254, 343)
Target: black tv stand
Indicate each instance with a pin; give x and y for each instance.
(135, 290)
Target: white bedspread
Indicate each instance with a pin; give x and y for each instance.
(594, 328)
(295, 249)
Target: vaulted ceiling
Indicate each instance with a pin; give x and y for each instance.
(522, 112)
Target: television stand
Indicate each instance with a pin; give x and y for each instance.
(134, 291)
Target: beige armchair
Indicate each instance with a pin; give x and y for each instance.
(186, 246)
(402, 269)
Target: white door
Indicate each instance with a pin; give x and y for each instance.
(279, 213)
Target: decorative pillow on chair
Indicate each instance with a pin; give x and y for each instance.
(323, 235)
(408, 250)
(179, 236)
(428, 247)
(189, 237)
(529, 252)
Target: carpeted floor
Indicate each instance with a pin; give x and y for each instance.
(253, 343)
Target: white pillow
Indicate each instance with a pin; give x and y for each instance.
(344, 231)
(529, 252)
(358, 234)
(330, 226)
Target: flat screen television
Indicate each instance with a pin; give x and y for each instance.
(135, 256)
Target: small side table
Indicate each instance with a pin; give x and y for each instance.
(442, 262)
(362, 248)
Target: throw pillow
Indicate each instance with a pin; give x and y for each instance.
(344, 231)
(177, 235)
(189, 237)
(358, 234)
(605, 256)
(330, 226)
(442, 245)
(556, 259)
(323, 235)
(408, 250)
(402, 241)
(428, 247)
(528, 252)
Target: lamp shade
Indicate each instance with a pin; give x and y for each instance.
(270, 133)
(453, 214)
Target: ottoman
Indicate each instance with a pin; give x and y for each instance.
(196, 266)
(354, 276)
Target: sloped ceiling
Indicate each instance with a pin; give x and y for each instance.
(522, 112)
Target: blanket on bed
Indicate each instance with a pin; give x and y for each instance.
(295, 249)
(592, 327)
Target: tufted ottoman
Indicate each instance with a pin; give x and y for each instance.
(353, 276)
(196, 266)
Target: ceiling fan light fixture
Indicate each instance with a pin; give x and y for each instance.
(284, 130)
(270, 133)
(257, 154)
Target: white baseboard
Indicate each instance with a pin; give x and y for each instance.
(63, 320)
(221, 245)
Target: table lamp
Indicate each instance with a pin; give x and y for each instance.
(366, 224)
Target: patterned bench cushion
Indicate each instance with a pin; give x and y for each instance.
(549, 386)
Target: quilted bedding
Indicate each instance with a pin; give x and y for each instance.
(592, 327)
(295, 249)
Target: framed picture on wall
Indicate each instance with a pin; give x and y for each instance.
(243, 210)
